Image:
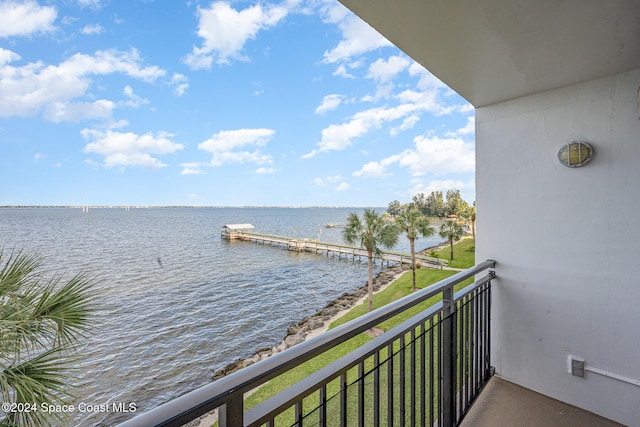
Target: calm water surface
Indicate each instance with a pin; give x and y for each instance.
(176, 302)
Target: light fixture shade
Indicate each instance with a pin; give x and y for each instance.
(575, 154)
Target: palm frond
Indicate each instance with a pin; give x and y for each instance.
(40, 322)
(414, 223)
(17, 269)
(41, 379)
(370, 232)
(66, 308)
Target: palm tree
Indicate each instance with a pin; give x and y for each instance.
(415, 224)
(370, 232)
(452, 230)
(472, 217)
(469, 215)
(41, 322)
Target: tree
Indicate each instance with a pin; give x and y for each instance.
(41, 322)
(371, 231)
(435, 204)
(394, 208)
(419, 201)
(451, 230)
(414, 224)
(470, 215)
(455, 204)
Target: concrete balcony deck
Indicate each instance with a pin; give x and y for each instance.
(503, 403)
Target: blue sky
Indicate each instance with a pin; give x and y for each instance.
(293, 103)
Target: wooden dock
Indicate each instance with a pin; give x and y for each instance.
(330, 249)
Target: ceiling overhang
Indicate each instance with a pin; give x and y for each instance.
(495, 50)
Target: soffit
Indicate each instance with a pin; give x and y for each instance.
(494, 50)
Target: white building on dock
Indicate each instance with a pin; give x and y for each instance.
(233, 231)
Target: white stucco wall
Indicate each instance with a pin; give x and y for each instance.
(567, 241)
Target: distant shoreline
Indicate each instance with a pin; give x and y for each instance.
(179, 206)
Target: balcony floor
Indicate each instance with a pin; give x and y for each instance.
(502, 403)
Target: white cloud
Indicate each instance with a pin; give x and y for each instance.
(117, 124)
(434, 155)
(338, 182)
(134, 101)
(467, 108)
(180, 83)
(430, 156)
(228, 140)
(225, 31)
(92, 29)
(469, 129)
(424, 100)
(329, 103)
(411, 104)
(357, 36)
(255, 157)
(341, 71)
(407, 123)
(375, 169)
(111, 61)
(343, 186)
(73, 112)
(90, 3)
(7, 56)
(38, 156)
(25, 18)
(427, 80)
(228, 146)
(193, 168)
(58, 90)
(339, 137)
(384, 71)
(439, 156)
(122, 149)
(265, 171)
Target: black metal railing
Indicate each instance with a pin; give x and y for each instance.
(425, 371)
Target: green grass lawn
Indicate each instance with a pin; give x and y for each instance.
(424, 277)
(399, 289)
(462, 255)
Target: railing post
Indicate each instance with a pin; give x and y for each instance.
(231, 414)
(448, 359)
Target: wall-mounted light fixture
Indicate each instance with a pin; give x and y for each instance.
(575, 154)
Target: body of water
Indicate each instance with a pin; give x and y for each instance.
(176, 301)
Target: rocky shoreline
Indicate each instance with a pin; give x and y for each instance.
(311, 326)
(300, 331)
(304, 329)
